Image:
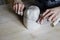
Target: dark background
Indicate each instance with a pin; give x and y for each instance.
(2, 2)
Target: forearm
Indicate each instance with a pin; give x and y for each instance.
(11, 2)
(19, 1)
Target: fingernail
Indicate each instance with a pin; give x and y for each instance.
(19, 13)
(56, 22)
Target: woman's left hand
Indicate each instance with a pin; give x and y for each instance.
(18, 8)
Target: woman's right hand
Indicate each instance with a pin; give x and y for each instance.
(18, 8)
(51, 15)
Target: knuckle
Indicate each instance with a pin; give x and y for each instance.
(47, 9)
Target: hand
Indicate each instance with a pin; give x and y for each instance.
(50, 14)
(18, 8)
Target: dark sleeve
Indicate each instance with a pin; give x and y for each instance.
(52, 3)
(40, 4)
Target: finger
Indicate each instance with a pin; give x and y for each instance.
(46, 12)
(38, 19)
(19, 9)
(22, 7)
(16, 8)
(55, 16)
(52, 17)
(56, 21)
(41, 19)
(47, 15)
(53, 20)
